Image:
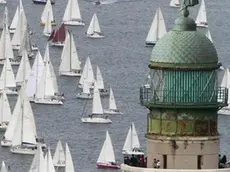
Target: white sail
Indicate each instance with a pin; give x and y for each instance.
(49, 162)
(35, 75)
(69, 161)
(7, 79)
(5, 18)
(48, 9)
(86, 88)
(94, 25)
(112, 102)
(26, 43)
(132, 140)
(97, 106)
(5, 111)
(87, 73)
(226, 83)
(20, 30)
(100, 82)
(157, 29)
(15, 19)
(59, 154)
(107, 152)
(69, 58)
(72, 11)
(24, 69)
(48, 26)
(201, 18)
(38, 164)
(3, 167)
(209, 35)
(6, 50)
(175, 3)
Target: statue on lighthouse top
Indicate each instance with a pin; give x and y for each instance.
(187, 3)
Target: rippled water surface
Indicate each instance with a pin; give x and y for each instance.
(123, 59)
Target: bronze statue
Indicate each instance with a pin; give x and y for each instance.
(187, 3)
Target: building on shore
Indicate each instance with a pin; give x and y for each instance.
(183, 100)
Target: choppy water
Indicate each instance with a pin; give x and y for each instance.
(122, 58)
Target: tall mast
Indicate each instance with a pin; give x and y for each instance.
(70, 36)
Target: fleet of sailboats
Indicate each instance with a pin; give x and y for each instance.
(157, 29)
(106, 158)
(72, 15)
(201, 19)
(70, 63)
(94, 30)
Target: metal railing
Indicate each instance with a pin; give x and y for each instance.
(217, 97)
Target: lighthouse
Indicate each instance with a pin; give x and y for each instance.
(183, 98)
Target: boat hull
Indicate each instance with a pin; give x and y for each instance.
(10, 91)
(70, 73)
(12, 30)
(84, 96)
(3, 127)
(175, 5)
(42, 2)
(96, 120)
(53, 23)
(150, 44)
(16, 47)
(13, 63)
(60, 164)
(74, 23)
(2, 1)
(95, 36)
(34, 48)
(47, 34)
(58, 44)
(205, 25)
(112, 112)
(224, 112)
(23, 150)
(6, 143)
(104, 92)
(107, 165)
(48, 101)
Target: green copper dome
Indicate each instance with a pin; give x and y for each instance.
(184, 46)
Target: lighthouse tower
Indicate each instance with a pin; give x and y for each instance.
(183, 98)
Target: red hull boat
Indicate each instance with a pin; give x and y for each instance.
(105, 165)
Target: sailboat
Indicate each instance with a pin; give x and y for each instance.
(59, 156)
(72, 15)
(70, 64)
(9, 134)
(49, 167)
(112, 105)
(97, 115)
(3, 167)
(87, 75)
(23, 141)
(5, 112)
(100, 84)
(157, 29)
(106, 158)
(175, 3)
(68, 159)
(19, 33)
(47, 91)
(94, 30)
(6, 50)
(226, 83)
(48, 9)
(43, 1)
(201, 20)
(209, 36)
(58, 38)
(48, 27)
(34, 77)
(7, 79)
(23, 70)
(38, 162)
(132, 144)
(85, 94)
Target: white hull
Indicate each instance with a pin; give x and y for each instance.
(175, 5)
(74, 23)
(34, 48)
(70, 73)
(13, 63)
(61, 164)
(19, 84)
(16, 47)
(97, 120)
(95, 35)
(224, 112)
(3, 126)
(205, 25)
(12, 30)
(48, 101)
(6, 143)
(47, 34)
(112, 112)
(58, 44)
(23, 150)
(132, 153)
(84, 96)
(11, 92)
(2, 1)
